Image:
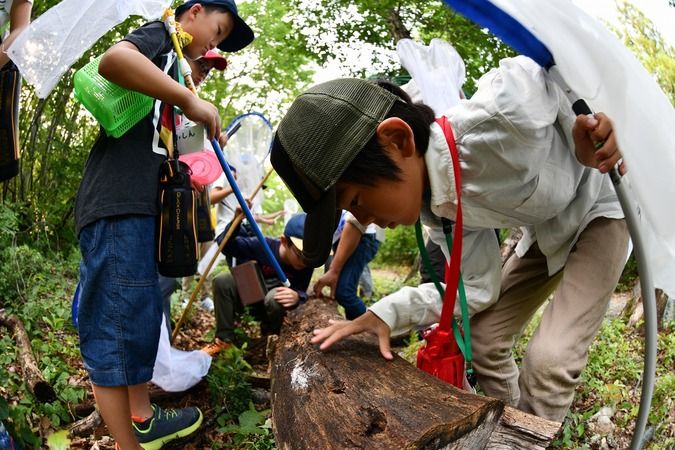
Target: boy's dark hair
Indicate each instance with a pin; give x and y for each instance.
(208, 9)
(372, 163)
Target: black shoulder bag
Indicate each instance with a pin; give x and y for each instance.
(10, 93)
(176, 228)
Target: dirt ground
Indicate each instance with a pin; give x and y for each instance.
(191, 336)
(196, 333)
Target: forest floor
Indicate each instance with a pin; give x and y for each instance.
(612, 379)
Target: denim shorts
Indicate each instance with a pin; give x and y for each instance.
(120, 306)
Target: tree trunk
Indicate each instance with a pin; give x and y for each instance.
(634, 312)
(350, 397)
(42, 390)
(396, 27)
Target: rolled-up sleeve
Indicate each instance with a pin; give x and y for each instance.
(421, 306)
(349, 217)
(409, 308)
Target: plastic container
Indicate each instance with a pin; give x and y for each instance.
(440, 356)
(204, 165)
(115, 108)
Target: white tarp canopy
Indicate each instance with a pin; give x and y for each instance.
(598, 67)
(59, 37)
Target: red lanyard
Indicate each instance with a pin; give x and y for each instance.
(452, 274)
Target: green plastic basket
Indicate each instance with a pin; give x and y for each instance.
(115, 108)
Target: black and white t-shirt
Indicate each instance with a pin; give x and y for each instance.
(121, 174)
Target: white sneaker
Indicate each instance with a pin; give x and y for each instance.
(207, 304)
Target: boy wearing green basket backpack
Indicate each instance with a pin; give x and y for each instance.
(120, 308)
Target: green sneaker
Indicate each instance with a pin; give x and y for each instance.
(166, 425)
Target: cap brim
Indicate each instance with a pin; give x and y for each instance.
(241, 36)
(297, 242)
(319, 228)
(322, 214)
(304, 191)
(218, 61)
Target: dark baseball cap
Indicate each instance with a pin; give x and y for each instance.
(240, 36)
(323, 131)
(295, 229)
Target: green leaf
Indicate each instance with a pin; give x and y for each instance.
(229, 429)
(250, 418)
(580, 430)
(58, 440)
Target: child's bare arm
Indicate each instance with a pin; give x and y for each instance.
(124, 65)
(19, 19)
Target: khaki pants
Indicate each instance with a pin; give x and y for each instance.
(228, 309)
(558, 349)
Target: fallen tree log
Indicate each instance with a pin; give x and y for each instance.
(522, 431)
(350, 397)
(43, 391)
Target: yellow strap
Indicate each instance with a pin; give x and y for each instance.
(184, 38)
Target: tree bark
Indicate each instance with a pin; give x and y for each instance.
(634, 312)
(352, 398)
(85, 427)
(519, 430)
(396, 26)
(42, 390)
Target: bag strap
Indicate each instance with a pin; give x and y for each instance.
(453, 278)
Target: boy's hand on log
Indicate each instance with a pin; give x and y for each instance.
(330, 279)
(595, 143)
(340, 329)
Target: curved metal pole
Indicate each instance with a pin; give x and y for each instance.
(646, 284)
(649, 304)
